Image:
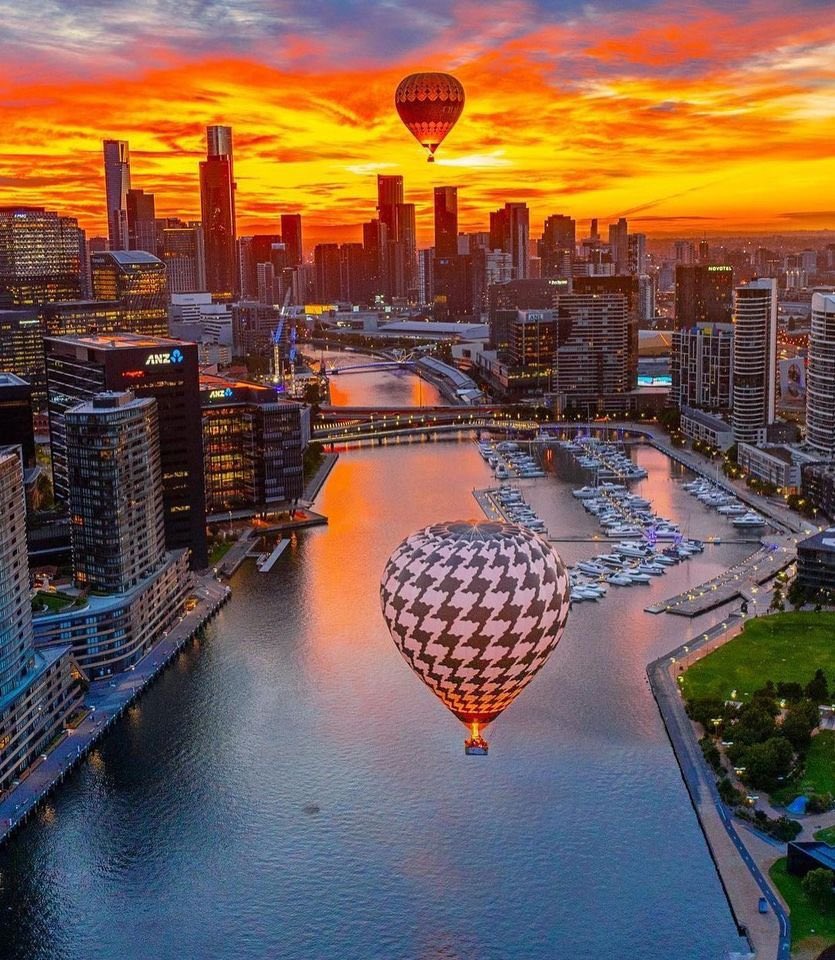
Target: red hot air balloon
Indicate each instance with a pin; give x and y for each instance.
(429, 105)
(475, 608)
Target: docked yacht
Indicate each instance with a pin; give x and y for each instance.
(748, 520)
(585, 493)
(620, 580)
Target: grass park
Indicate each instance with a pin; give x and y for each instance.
(809, 920)
(787, 647)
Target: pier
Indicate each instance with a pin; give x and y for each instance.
(106, 701)
(743, 581)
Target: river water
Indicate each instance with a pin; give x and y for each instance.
(289, 790)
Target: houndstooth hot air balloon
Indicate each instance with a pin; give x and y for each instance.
(476, 609)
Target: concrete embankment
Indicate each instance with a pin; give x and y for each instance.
(107, 701)
(741, 878)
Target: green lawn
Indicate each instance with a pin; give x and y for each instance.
(785, 646)
(819, 775)
(53, 601)
(219, 551)
(807, 919)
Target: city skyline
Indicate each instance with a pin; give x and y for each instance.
(717, 115)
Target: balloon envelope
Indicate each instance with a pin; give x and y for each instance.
(429, 104)
(476, 608)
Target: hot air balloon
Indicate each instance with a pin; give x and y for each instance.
(475, 608)
(429, 105)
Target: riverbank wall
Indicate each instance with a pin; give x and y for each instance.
(106, 702)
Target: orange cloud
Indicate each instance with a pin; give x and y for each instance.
(718, 114)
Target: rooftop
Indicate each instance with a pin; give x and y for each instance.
(11, 380)
(824, 541)
(117, 341)
(127, 257)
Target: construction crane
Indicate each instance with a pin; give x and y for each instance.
(278, 334)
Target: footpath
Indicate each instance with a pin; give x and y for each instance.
(743, 881)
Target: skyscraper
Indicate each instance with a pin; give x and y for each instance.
(755, 359)
(36, 688)
(327, 266)
(510, 231)
(399, 253)
(389, 196)
(138, 281)
(446, 221)
(40, 257)
(115, 485)
(593, 363)
(291, 237)
(158, 367)
(619, 245)
(702, 367)
(21, 350)
(142, 224)
(557, 245)
(136, 589)
(704, 294)
(820, 376)
(116, 187)
(184, 257)
(637, 245)
(217, 203)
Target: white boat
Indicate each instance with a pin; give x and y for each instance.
(585, 493)
(620, 580)
(633, 549)
(636, 576)
(589, 566)
(748, 520)
(507, 446)
(651, 568)
(733, 510)
(502, 473)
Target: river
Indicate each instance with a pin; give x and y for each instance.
(288, 789)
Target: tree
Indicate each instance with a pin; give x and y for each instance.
(790, 691)
(777, 605)
(755, 724)
(796, 594)
(817, 689)
(817, 885)
(766, 762)
(799, 722)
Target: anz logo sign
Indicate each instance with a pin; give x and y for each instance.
(164, 359)
(220, 394)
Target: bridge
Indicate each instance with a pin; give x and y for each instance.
(373, 367)
(350, 424)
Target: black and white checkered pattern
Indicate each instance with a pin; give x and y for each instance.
(476, 609)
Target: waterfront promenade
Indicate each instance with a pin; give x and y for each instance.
(106, 701)
(742, 879)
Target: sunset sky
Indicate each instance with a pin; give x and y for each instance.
(685, 117)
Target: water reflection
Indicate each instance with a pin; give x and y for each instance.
(293, 791)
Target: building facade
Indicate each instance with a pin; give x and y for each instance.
(115, 488)
(253, 446)
(165, 369)
(116, 187)
(37, 692)
(593, 353)
(217, 204)
(820, 376)
(704, 293)
(40, 257)
(755, 359)
(701, 366)
(137, 280)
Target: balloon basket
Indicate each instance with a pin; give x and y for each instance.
(430, 159)
(475, 747)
